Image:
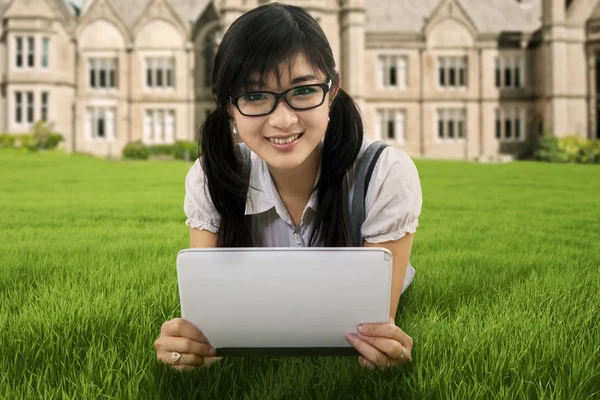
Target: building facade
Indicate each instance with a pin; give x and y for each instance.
(454, 79)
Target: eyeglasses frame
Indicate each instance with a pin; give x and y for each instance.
(325, 86)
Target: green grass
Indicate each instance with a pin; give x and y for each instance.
(505, 304)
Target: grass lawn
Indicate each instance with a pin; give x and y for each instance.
(505, 304)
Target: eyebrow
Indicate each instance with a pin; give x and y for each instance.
(299, 79)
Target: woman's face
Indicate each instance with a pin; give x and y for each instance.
(285, 123)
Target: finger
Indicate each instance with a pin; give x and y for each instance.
(369, 352)
(183, 328)
(188, 359)
(389, 331)
(184, 367)
(391, 348)
(184, 345)
(364, 363)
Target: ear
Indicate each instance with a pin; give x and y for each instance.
(334, 91)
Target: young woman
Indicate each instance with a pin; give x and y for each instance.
(278, 92)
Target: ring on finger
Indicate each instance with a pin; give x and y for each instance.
(174, 357)
(401, 357)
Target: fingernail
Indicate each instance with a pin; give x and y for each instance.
(361, 329)
(350, 337)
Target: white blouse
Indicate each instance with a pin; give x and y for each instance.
(392, 207)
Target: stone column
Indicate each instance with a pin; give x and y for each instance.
(353, 18)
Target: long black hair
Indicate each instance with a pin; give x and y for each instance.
(259, 42)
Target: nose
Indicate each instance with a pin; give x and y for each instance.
(282, 116)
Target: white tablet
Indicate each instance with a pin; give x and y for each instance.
(284, 301)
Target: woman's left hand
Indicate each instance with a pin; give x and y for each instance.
(382, 345)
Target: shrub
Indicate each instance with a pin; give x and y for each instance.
(186, 150)
(43, 137)
(548, 149)
(161, 150)
(136, 151)
(571, 147)
(7, 141)
(590, 152)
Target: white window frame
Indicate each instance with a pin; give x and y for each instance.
(510, 114)
(154, 64)
(27, 108)
(26, 51)
(159, 126)
(384, 63)
(454, 116)
(398, 116)
(513, 62)
(445, 63)
(93, 115)
(107, 64)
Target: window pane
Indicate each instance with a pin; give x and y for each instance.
(393, 76)
(462, 78)
(440, 126)
(517, 76)
(498, 73)
(149, 76)
(19, 60)
(391, 131)
(498, 125)
(159, 77)
(45, 51)
(461, 129)
(442, 76)
(452, 77)
(29, 106)
(18, 109)
(507, 77)
(518, 127)
(101, 132)
(102, 82)
(31, 51)
(169, 78)
(508, 128)
(45, 106)
(112, 79)
(92, 78)
(451, 128)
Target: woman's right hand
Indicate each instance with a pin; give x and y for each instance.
(180, 336)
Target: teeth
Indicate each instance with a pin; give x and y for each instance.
(284, 141)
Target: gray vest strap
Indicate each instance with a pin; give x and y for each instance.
(365, 168)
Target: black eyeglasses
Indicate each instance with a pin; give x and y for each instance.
(256, 104)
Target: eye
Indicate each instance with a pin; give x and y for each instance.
(304, 91)
(252, 97)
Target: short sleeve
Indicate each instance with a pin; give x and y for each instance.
(394, 198)
(197, 205)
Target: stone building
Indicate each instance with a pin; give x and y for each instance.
(459, 79)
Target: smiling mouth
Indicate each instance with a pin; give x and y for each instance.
(286, 140)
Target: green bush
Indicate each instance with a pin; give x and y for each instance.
(43, 137)
(161, 150)
(180, 150)
(7, 141)
(568, 149)
(571, 147)
(590, 152)
(136, 151)
(548, 149)
(186, 150)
